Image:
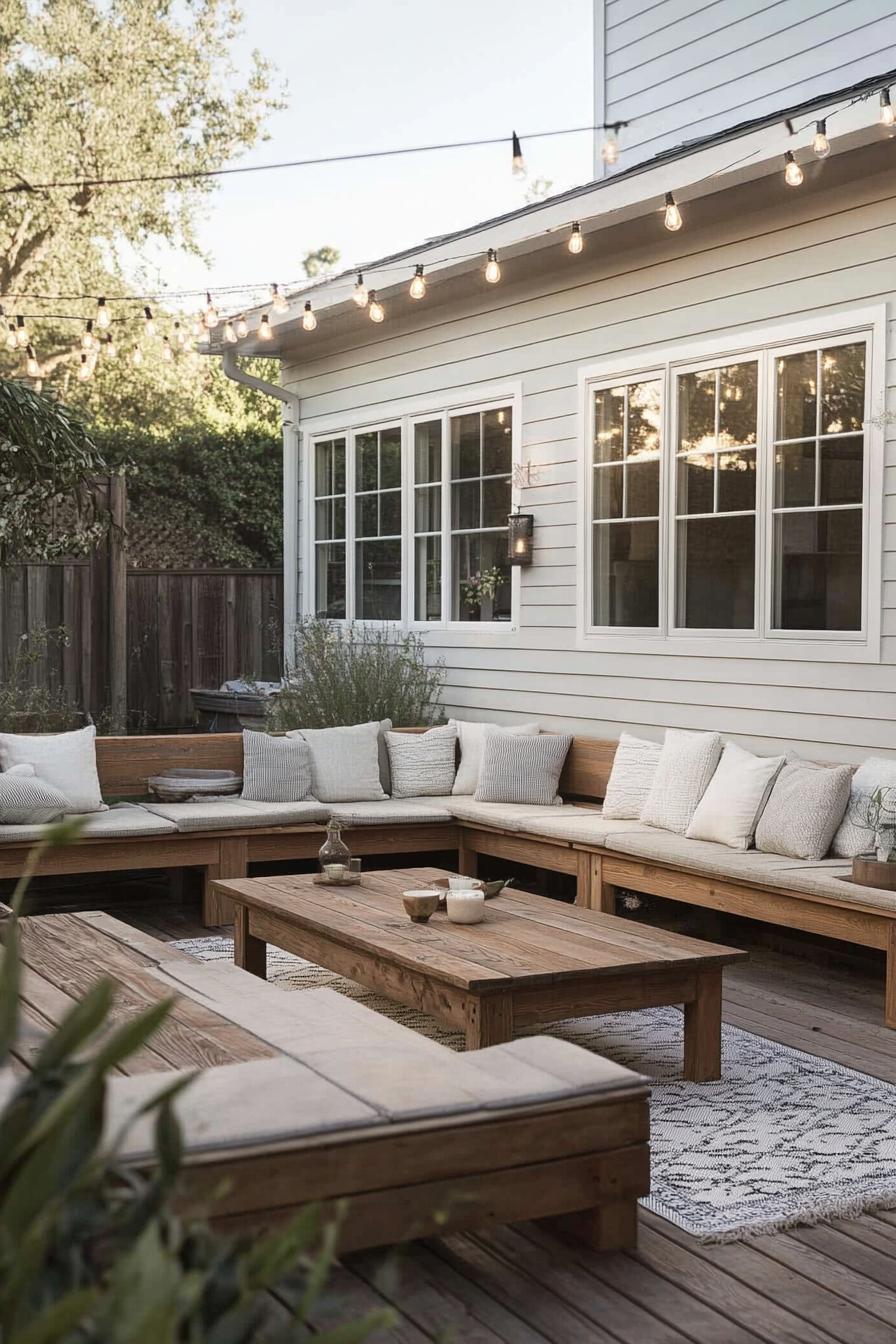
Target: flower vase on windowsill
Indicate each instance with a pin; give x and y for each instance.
(479, 591)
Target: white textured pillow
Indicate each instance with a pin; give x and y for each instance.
(26, 800)
(275, 769)
(522, 768)
(65, 760)
(804, 810)
(734, 798)
(634, 767)
(685, 767)
(422, 764)
(471, 736)
(345, 762)
(853, 835)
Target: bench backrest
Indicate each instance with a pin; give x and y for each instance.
(125, 763)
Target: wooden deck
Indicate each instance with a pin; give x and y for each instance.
(835, 1282)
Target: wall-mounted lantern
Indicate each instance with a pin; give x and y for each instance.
(520, 533)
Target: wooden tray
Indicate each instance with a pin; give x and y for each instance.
(350, 880)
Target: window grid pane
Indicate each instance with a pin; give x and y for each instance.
(481, 450)
(428, 521)
(329, 512)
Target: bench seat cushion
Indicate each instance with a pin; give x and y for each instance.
(392, 812)
(125, 820)
(237, 813)
(509, 816)
(579, 827)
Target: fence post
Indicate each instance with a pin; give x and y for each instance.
(118, 606)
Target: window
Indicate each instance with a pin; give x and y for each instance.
(727, 496)
(420, 532)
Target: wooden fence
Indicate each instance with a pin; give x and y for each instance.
(135, 660)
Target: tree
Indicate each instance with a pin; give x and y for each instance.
(111, 89)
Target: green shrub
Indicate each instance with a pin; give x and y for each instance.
(92, 1252)
(32, 701)
(342, 674)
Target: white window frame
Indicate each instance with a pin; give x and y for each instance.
(839, 328)
(407, 414)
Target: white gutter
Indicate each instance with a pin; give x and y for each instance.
(290, 420)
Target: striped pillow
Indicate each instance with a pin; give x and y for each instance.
(422, 764)
(275, 769)
(522, 769)
(26, 800)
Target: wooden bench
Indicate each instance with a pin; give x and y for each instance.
(310, 1097)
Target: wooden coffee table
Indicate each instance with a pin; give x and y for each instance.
(531, 960)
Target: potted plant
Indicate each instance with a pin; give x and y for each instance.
(876, 812)
(481, 589)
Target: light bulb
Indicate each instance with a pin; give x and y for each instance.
(278, 302)
(821, 144)
(518, 163)
(167, 352)
(102, 314)
(229, 333)
(22, 337)
(672, 217)
(32, 368)
(198, 328)
(85, 369)
(418, 285)
(492, 269)
(242, 328)
(887, 114)
(309, 321)
(609, 151)
(11, 341)
(576, 241)
(264, 329)
(359, 293)
(793, 173)
(136, 356)
(110, 349)
(179, 335)
(210, 316)
(87, 341)
(150, 327)
(375, 309)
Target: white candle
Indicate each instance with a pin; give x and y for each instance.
(465, 907)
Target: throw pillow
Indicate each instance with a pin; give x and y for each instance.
(634, 767)
(26, 800)
(519, 768)
(804, 809)
(686, 764)
(471, 737)
(275, 769)
(735, 796)
(422, 764)
(345, 762)
(854, 835)
(65, 760)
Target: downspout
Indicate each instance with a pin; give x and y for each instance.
(290, 425)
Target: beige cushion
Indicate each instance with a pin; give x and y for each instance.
(345, 761)
(422, 763)
(65, 760)
(510, 816)
(804, 810)
(120, 822)
(392, 812)
(734, 798)
(686, 764)
(237, 813)
(579, 826)
(471, 740)
(634, 766)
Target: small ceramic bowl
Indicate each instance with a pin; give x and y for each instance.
(420, 904)
(466, 907)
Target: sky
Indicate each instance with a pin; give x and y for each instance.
(361, 75)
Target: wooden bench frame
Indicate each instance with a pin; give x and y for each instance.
(125, 763)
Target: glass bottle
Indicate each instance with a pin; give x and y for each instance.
(334, 850)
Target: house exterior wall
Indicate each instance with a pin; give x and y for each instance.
(682, 69)
(759, 257)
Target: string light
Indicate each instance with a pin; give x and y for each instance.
(103, 317)
(278, 302)
(264, 329)
(210, 316)
(492, 269)
(609, 151)
(375, 309)
(418, 284)
(179, 337)
(32, 368)
(575, 242)
(22, 337)
(242, 327)
(110, 349)
(136, 356)
(167, 352)
(85, 368)
(887, 114)
(150, 326)
(198, 328)
(672, 216)
(517, 163)
(229, 333)
(359, 293)
(793, 173)
(87, 341)
(309, 321)
(11, 341)
(821, 144)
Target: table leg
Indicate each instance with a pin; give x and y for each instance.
(489, 1021)
(703, 1029)
(249, 952)
(609, 1227)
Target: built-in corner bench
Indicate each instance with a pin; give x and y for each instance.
(603, 856)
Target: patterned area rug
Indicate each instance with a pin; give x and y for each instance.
(784, 1138)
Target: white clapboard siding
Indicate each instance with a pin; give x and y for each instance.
(681, 69)
(758, 256)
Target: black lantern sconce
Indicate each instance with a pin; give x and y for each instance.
(520, 533)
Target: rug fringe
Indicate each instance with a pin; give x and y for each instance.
(851, 1206)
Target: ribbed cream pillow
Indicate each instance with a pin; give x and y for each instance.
(735, 796)
(422, 764)
(471, 736)
(685, 767)
(804, 810)
(634, 767)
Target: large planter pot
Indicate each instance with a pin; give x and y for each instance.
(871, 872)
(229, 711)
